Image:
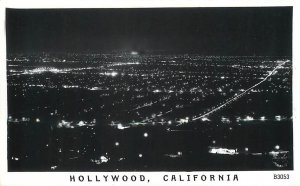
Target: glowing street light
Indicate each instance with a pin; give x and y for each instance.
(145, 134)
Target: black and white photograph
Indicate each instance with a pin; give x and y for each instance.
(149, 89)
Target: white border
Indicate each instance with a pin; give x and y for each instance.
(62, 178)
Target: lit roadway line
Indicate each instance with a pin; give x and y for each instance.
(240, 95)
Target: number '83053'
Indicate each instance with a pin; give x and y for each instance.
(281, 176)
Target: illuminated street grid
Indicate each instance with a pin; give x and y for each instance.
(125, 91)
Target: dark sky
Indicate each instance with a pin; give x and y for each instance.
(206, 31)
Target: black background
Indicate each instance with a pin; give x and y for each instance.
(206, 31)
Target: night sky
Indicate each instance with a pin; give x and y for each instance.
(206, 31)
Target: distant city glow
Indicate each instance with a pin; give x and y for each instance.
(278, 118)
(113, 74)
(218, 150)
(45, 69)
(249, 118)
(123, 64)
(205, 119)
